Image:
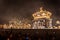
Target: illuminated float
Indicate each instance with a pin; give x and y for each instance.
(42, 19)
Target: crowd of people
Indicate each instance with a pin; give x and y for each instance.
(22, 35)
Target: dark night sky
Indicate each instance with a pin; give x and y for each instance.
(16, 8)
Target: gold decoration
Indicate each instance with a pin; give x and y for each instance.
(42, 14)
